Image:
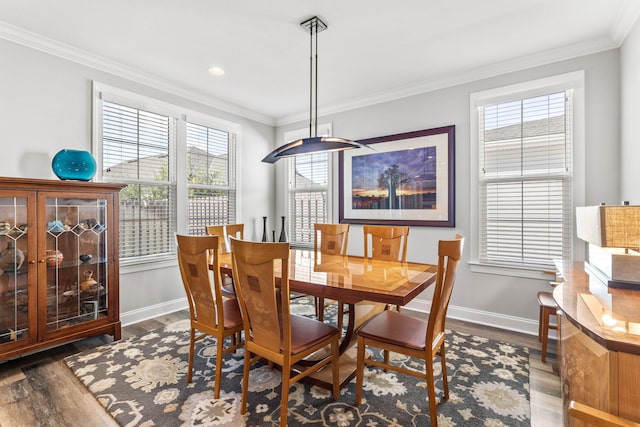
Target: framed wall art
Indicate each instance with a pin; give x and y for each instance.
(404, 179)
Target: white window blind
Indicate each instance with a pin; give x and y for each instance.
(308, 195)
(179, 166)
(136, 149)
(210, 177)
(525, 182)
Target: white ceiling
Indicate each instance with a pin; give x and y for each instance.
(373, 50)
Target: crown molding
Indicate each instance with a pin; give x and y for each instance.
(480, 73)
(70, 53)
(624, 22)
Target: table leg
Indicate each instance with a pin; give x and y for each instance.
(356, 318)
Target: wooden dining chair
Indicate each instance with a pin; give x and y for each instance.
(386, 243)
(210, 313)
(330, 239)
(397, 332)
(596, 417)
(226, 231)
(271, 331)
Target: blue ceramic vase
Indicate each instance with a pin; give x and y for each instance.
(74, 164)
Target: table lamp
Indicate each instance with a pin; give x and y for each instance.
(613, 234)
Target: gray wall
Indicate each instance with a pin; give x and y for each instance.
(45, 105)
(630, 123)
(504, 301)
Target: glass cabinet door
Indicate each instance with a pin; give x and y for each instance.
(15, 288)
(77, 282)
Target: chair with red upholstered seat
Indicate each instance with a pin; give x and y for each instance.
(396, 332)
(271, 331)
(387, 243)
(330, 239)
(226, 232)
(210, 313)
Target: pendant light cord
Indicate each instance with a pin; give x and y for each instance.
(310, 79)
(316, 110)
(312, 144)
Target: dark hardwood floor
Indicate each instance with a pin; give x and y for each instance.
(39, 390)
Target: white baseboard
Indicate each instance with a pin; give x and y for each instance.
(145, 313)
(511, 323)
(496, 320)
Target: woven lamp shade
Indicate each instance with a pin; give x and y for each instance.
(609, 226)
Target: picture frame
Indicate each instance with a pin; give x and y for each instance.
(405, 179)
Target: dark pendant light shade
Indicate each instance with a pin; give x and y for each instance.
(313, 144)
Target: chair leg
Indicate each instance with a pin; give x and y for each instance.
(360, 370)
(192, 342)
(320, 308)
(245, 380)
(237, 339)
(335, 350)
(284, 398)
(540, 320)
(545, 332)
(431, 390)
(445, 380)
(218, 379)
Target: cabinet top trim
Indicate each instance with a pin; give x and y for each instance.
(584, 300)
(55, 184)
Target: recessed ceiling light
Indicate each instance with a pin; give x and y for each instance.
(216, 71)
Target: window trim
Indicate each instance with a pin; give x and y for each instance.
(573, 80)
(179, 116)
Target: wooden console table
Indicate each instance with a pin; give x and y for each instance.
(599, 349)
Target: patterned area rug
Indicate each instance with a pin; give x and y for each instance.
(142, 381)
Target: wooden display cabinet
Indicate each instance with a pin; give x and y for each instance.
(59, 272)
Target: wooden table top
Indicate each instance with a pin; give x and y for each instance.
(610, 316)
(352, 279)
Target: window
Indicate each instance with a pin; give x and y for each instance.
(308, 190)
(136, 149)
(179, 168)
(210, 177)
(525, 176)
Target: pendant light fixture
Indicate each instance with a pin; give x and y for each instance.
(313, 143)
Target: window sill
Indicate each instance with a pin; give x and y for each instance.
(502, 270)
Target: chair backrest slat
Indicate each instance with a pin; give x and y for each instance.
(254, 267)
(387, 243)
(195, 253)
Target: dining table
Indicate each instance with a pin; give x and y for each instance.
(366, 285)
